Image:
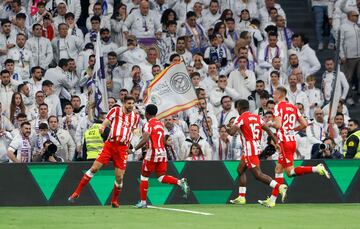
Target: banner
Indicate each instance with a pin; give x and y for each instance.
(171, 91)
(100, 95)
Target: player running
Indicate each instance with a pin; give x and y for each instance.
(250, 128)
(123, 120)
(286, 117)
(155, 158)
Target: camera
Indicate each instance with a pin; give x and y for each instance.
(324, 146)
(50, 149)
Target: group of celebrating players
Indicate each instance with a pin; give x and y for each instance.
(122, 120)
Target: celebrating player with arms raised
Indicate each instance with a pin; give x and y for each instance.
(123, 120)
(286, 118)
(155, 158)
(250, 128)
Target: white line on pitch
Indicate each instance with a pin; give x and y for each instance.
(180, 210)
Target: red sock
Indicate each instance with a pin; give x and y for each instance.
(280, 181)
(169, 180)
(115, 195)
(302, 170)
(144, 185)
(84, 181)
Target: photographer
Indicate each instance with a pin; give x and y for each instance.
(327, 150)
(47, 153)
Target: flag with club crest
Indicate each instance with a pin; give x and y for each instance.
(171, 91)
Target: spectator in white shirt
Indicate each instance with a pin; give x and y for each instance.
(104, 20)
(132, 53)
(60, 18)
(227, 112)
(21, 56)
(65, 46)
(91, 36)
(40, 47)
(7, 39)
(191, 28)
(185, 55)
(294, 64)
(264, 12)
(350, 49)
(276, 66)
(270, 50)
(117, 22)
(242, 80)
(52, 100)
(221, 90)
(249, 5)
(284, 32)
(142, 23)
(314, 94)
(35, 82)
(182, 7)
(295, 95)
(107, 45)
(212, 15)
(328, 83)
(73, 28)
(274, 82)
(7, 89)
(307, 56)
(59, 79)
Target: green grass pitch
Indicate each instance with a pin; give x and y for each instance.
(224, 216)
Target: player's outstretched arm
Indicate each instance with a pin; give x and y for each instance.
(232, 130)
(104, 124)
(276, 123)
(303, 124)
(144, 139)
(270, 133)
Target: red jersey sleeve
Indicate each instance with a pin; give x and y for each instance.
(111, 115)
(239, 122)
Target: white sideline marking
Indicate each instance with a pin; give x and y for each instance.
(180, 210)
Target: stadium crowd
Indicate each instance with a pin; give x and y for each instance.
(233, 49)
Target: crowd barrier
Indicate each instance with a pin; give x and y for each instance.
(211, 182)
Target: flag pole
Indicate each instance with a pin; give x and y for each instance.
(332, 98)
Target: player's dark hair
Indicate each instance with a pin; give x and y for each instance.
(151, 109)
(129, 97)
(242, 104)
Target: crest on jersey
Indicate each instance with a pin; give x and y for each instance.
(180, 83)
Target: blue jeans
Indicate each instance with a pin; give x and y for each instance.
(319, 13)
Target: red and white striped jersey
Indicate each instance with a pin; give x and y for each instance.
(289, 115)
(156, 150)
(122, 125)
(250, 132)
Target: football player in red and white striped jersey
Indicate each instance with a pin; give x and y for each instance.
(250, 128)
(287, 117)
(155, 158)
(122, 121)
